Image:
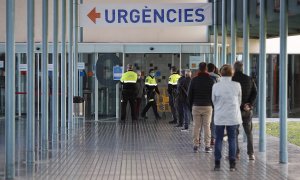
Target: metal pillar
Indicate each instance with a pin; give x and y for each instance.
(283, 81)
(96, 88)
(19, 85)
(45, 93)
(216, 52)
(55, 73)
(30, 84)
(70, 66)
(10, 91)
(38, 86)
(233, 33)
(224, 33)
(63, 68)
(246, 36)
(262, 78)
(75, 47)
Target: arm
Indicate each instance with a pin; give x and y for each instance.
(240, 93)
(213, 94)
(190, 94)
(157, 90)
(253, 93)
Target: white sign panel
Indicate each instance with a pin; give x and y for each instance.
(23, 67)
(179, 14)
(194, 61)
(80, 65)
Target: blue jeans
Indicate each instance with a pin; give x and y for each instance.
(231, 133)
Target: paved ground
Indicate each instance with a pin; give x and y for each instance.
(144, 150)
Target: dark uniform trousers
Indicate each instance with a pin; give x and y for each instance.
(151, 103)
(127, 95)
(172, 103)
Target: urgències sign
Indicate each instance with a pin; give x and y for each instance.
(179, 14)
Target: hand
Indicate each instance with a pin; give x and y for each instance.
(145, 96)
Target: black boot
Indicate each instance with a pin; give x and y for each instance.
(173, 122)
(217, 166)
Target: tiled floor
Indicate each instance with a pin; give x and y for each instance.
(132, 151)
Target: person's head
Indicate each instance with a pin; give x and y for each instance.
(188, 73)
(173, 69)
(182, 72)
(211, 67)
(152, 72)
(226, 70)
(202, 67)
(129, 67)
(238, 66)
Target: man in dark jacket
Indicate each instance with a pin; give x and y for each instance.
(249, 93)
(183, 103)
(199, 95)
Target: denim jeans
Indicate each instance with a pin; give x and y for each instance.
(172, 104)
(187, 116)
(231, 133)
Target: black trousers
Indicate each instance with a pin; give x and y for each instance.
(173, 106)
(247, 125)
(147, 107)
(132, 101)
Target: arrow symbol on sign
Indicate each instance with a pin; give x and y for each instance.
(93, 15)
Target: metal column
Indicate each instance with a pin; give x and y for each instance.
(246, 36)
(262, 77)
(233, 33)
(75, 47)
(19, 85)
(70, 66)
(45, 93)
(55, 73)
(283, 81)
(10, 91)
(216, 52)
(96, 88)
(224, 33)
(30, 84)
(63, 68)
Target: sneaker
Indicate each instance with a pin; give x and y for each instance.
(185, 130)
(232, 169)
(251, 157)
(173, 122)
(232, 166)
(208, 149)
(195, 149)
(225, 138)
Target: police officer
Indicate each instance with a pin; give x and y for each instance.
(172, 91)
(129, 92)
(151, 88)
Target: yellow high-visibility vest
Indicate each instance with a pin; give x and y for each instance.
(173, 79)
(129, 77)
(150, 81)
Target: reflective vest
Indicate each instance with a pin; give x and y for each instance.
(150, 81)
(173, 79)
(129, 77)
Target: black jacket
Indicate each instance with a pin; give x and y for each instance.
(249, 89)
(199, 93)
(182, 89)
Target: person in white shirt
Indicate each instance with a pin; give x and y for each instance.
(226, 98)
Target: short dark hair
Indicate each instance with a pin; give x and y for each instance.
(226, 70)
(238, 66)
(202, 66)
(211, 67)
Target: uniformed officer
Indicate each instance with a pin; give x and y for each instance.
(129, 92)
(172, 91)
(151, 89)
